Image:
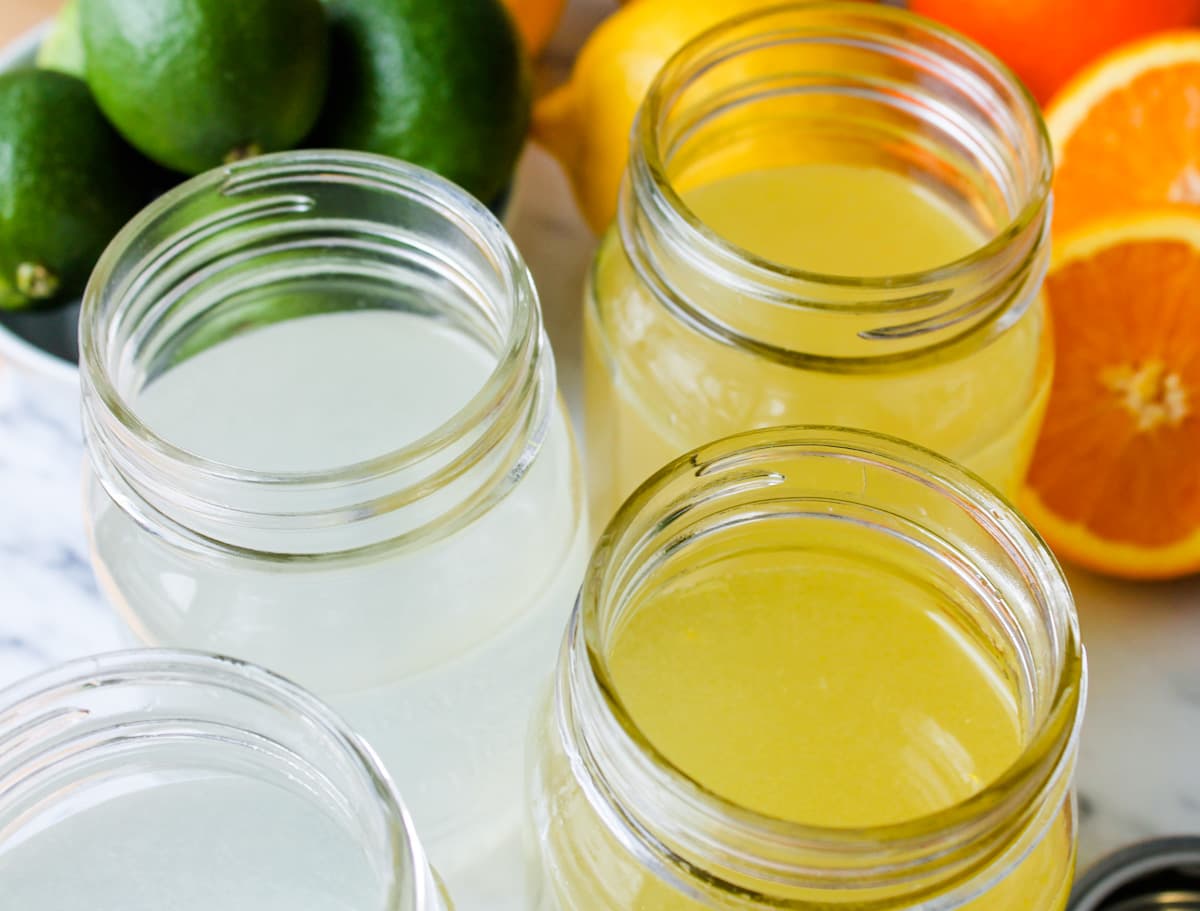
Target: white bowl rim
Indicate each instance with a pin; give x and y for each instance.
(14, 350)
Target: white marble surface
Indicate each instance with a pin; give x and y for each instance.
(1139, 771)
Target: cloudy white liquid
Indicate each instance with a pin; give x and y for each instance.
(228, 843)
(435, 654)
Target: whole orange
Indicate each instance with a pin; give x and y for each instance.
(536, 20)
(1048, 41)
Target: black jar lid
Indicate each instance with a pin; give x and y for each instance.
(1158, 875)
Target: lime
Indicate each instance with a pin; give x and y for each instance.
(62, 48)
(67, 184)
(441, 83)
(197, 83)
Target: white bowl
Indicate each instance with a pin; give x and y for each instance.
(40, 342)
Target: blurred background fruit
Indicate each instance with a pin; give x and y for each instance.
(195, 83)
(1048, 41)
(17, 18)
(62, 48)
(441, 83)
(1126, 132)
(586, 123)
(68, 183)
(536, 21)
(1114, 484)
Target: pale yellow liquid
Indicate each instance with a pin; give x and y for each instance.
(817, 694)
(656, 387)
(815, 688)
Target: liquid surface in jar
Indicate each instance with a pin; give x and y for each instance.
(217, 843)
(444, 643)
(822, 694)
(824, 690)
(835, 219)
(656, 387)
(318, 392)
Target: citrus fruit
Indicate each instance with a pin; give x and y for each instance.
(1126, 132)
(197, 83)
(586, 122)
(67, 185)
(1047, 41)
(444, 84)
(62, 48)
(1114, 484)
(536, 21)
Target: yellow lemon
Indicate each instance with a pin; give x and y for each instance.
(586, 123)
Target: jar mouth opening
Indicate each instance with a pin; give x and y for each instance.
(275, 176)
(1046, 753)
(46, 705)
(980, 70)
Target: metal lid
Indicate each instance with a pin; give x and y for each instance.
(1158, 875)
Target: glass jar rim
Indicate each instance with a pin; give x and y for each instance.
(200, 669)
(330, 166)
(1045, 758)
(704, 49)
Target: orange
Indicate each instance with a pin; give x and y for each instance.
(1126, 132)
(1115, 480)
(1048, 41)
(536, 21)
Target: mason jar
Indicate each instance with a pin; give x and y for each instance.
(833, 213)
(813, 668)
(324, 436)
(146, 780)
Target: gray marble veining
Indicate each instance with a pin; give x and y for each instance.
(50, 608)
(1139, 768)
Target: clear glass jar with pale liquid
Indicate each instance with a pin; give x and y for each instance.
(154, 780)
(834, 213)
(325, 436)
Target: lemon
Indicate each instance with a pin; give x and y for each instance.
(586, 123)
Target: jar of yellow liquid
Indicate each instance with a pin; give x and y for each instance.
(813, 668)
(833, 213)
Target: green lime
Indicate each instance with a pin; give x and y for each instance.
(62, 48)
(68, 183)
(197, 83)
(10, 299)
(441, 83)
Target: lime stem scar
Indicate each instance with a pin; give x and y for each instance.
(242, 153)
(36, 282)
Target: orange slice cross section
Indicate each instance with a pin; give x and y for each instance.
(1126, 132)
(1115, 480)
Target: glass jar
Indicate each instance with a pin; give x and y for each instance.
(813, 668)
(324, 436)
(145, 780)
(832, 214)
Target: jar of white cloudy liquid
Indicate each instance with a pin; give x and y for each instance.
(325, 437)
(152, 780)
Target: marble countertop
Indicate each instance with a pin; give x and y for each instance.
(1139, 772)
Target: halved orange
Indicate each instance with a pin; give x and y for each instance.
(1115, 480)
(1126, 132)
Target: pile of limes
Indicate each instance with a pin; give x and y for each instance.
(131, 96)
